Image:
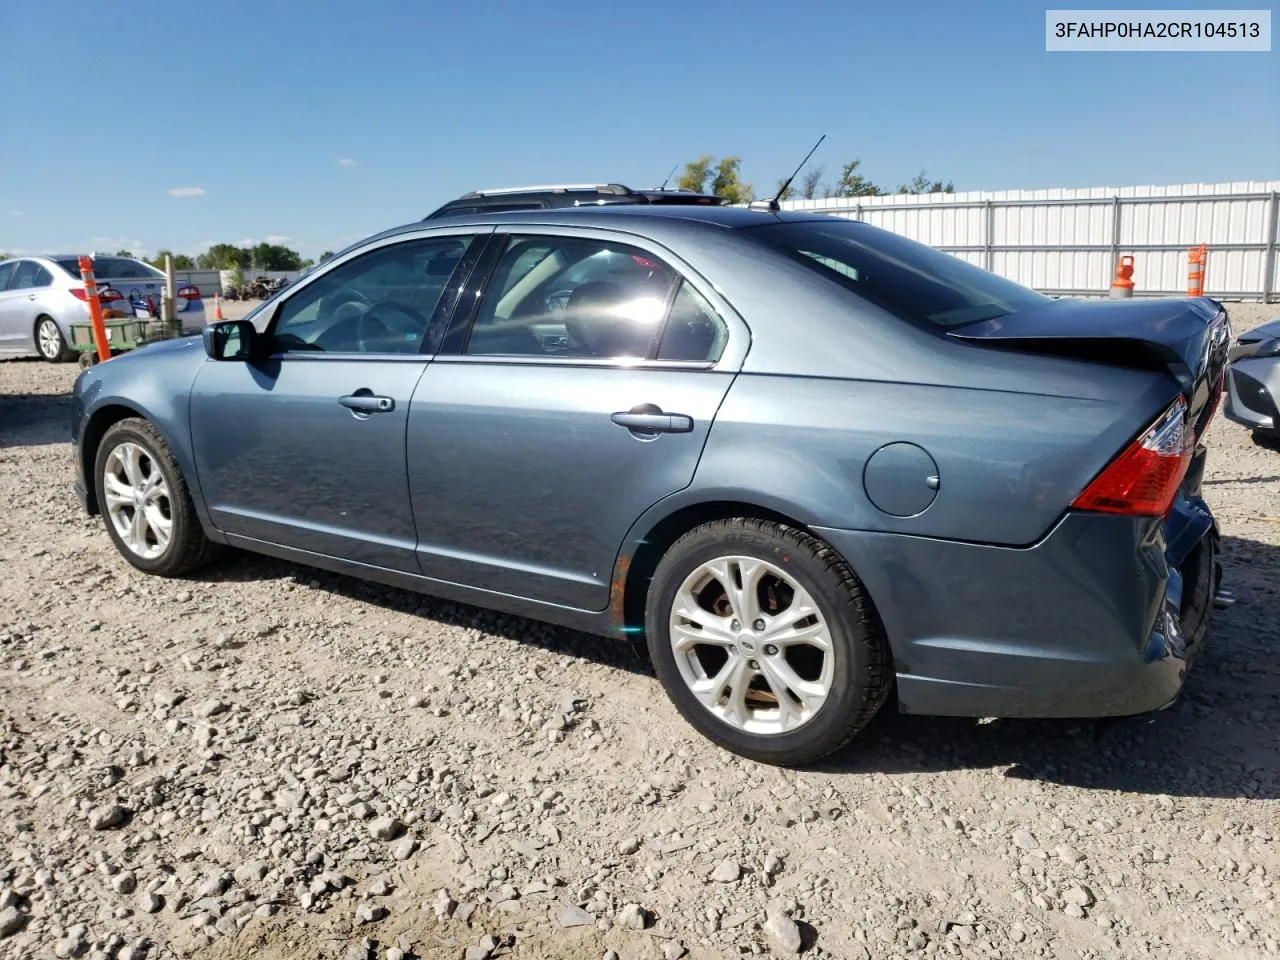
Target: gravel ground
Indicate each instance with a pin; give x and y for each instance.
(269, 761)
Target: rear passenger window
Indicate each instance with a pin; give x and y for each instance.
(6, 272)
(25, 278)
(588, 298)
(694, 331)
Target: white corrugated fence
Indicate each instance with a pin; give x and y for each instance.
(1068, 242)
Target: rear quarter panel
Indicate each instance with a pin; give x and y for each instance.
(1008, 464)
(829, 379)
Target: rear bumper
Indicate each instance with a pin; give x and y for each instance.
(1253, 389)
(1095, 620)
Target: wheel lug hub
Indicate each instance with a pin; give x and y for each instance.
(735, 626)
(758, 626)
(753, 664)
(770, 650)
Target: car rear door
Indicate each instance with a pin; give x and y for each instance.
(576, 392)
(306, 448)
(12, 340)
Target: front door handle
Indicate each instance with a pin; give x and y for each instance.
(649, 419)
(367, 403)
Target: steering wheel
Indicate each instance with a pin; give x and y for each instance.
(558, 300)
(347, 295)
(373, 325)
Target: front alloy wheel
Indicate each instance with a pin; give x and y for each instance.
(137, 501)
(143, 497)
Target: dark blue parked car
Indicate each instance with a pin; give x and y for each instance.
(814, 463)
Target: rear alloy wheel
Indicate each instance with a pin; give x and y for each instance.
(765, 641)
(144, 501)
(50, 343)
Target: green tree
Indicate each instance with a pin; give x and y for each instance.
(180, 260)
(921, 183)
(811, 183)
(225, 256)
(695, 174)
(854, 184)
(273, 256)
(327, 255)
(125, 253)
(728, 184)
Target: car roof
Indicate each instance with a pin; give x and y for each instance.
(637, 215)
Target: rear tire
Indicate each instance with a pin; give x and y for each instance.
(145, 503)
(794, 633)
(50, 343)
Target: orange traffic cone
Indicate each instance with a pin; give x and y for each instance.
(1197, 261)
(217, 308)
(1122, 285)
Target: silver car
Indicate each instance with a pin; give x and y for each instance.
(41, 297)
(1253, 383)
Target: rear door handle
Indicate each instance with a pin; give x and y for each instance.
(367, 403)
(653, 422)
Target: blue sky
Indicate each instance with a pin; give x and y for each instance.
(325, 121)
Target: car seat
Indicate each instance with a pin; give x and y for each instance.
(595, 323)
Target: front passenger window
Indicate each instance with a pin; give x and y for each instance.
(383, 301)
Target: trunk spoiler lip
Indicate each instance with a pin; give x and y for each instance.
(1190, 335)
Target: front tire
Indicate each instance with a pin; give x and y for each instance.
(50, 343)
(145, 503)
(765, 641)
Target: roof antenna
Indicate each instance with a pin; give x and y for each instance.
(669, 176)
(772, 204)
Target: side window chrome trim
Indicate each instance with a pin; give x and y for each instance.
(611, 363)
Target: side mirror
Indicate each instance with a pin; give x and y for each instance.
(230, 340)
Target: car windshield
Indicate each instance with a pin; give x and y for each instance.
(113, 268)
(909, 279)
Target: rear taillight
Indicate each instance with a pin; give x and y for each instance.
(189, 293)
(1144, 479)
(105, 295)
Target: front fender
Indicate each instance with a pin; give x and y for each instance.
(152, 383)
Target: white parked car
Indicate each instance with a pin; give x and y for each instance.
(40, 297)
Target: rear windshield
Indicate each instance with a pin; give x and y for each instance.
(114, 268)
(909, 279)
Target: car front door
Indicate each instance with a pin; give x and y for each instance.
(306, 448)
(575, 392)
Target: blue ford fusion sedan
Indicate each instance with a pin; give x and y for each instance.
(814, 464)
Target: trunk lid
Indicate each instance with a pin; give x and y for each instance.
(1188, 338)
